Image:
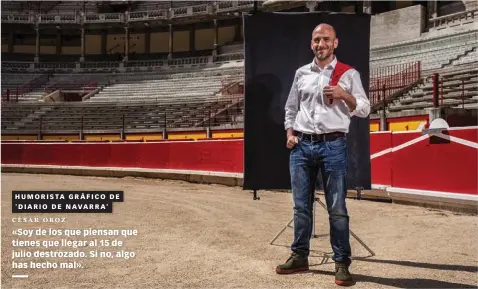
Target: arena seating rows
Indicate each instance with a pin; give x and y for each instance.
(190, 86)
(459, 87)
(172, 84)
(434, 53)
(12, 82)
(104, 116)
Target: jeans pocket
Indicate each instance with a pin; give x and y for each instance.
(336, 155)
(339, 143)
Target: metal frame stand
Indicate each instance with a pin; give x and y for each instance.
(317, 200)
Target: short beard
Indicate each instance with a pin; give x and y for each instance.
(324, 56)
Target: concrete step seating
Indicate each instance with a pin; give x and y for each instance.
(103, 116)
(75, 81)
(12, 81)
(198, 85)
(433, 53)
(471, 57)
(454, 92)
(10, 115)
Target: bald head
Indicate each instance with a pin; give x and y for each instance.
(324, 42)
(325, 28)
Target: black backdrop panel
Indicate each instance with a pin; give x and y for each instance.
(276, 45)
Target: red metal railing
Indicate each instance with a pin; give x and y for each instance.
(91, 86)
(29, 86)
(385, 81)
(72, 84)
(438, 92)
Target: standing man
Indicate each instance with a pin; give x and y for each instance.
(324, 96)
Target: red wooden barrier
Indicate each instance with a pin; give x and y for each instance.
(381, 158)
(402, 160)
(221, 156)
(436, 164)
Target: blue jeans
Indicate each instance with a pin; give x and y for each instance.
(329, 158)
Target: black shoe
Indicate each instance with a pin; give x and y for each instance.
(295, 263)
(342, 275)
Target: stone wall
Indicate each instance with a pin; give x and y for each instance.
(398, 25)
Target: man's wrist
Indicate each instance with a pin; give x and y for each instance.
(290, 132)
(344, 95)
(350, 101)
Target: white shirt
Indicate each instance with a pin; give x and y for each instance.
(316, 115)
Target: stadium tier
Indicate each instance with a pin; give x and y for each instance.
(73, 118)
(456, 89)
(434, 53)
(186, 86)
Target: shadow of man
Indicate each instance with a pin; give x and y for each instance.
(400, 282)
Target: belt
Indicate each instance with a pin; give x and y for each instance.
(331, 136)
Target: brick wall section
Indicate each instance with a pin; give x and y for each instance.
(385, 26)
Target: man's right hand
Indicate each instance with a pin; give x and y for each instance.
(291, 139)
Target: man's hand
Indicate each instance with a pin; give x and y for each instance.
(334, 92)
(337, 92)
(291, 139)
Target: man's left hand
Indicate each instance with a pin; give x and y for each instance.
(334, 92)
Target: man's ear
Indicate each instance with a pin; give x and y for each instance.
(336, 43)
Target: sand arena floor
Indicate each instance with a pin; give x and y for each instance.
(211, 236)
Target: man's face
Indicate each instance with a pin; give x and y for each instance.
(323, 42)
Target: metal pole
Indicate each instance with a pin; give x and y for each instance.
(463, 93)
(122, 131)
(384, 89)
(209, 116)
(435, 89)
(40, 136)
(81, 129)
(165, 133)
(441, 100)
(419, 69)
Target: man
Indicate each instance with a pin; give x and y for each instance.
(325, 94)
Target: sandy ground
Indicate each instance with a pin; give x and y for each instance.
(211, 236)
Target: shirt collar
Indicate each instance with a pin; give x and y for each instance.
(330, 66)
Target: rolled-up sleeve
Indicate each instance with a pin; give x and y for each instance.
(356, 90)
(291, 106)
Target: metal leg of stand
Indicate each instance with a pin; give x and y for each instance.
(317, 200)
(314, 235)
(351, 232)
(372, 253)
(281, 231)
